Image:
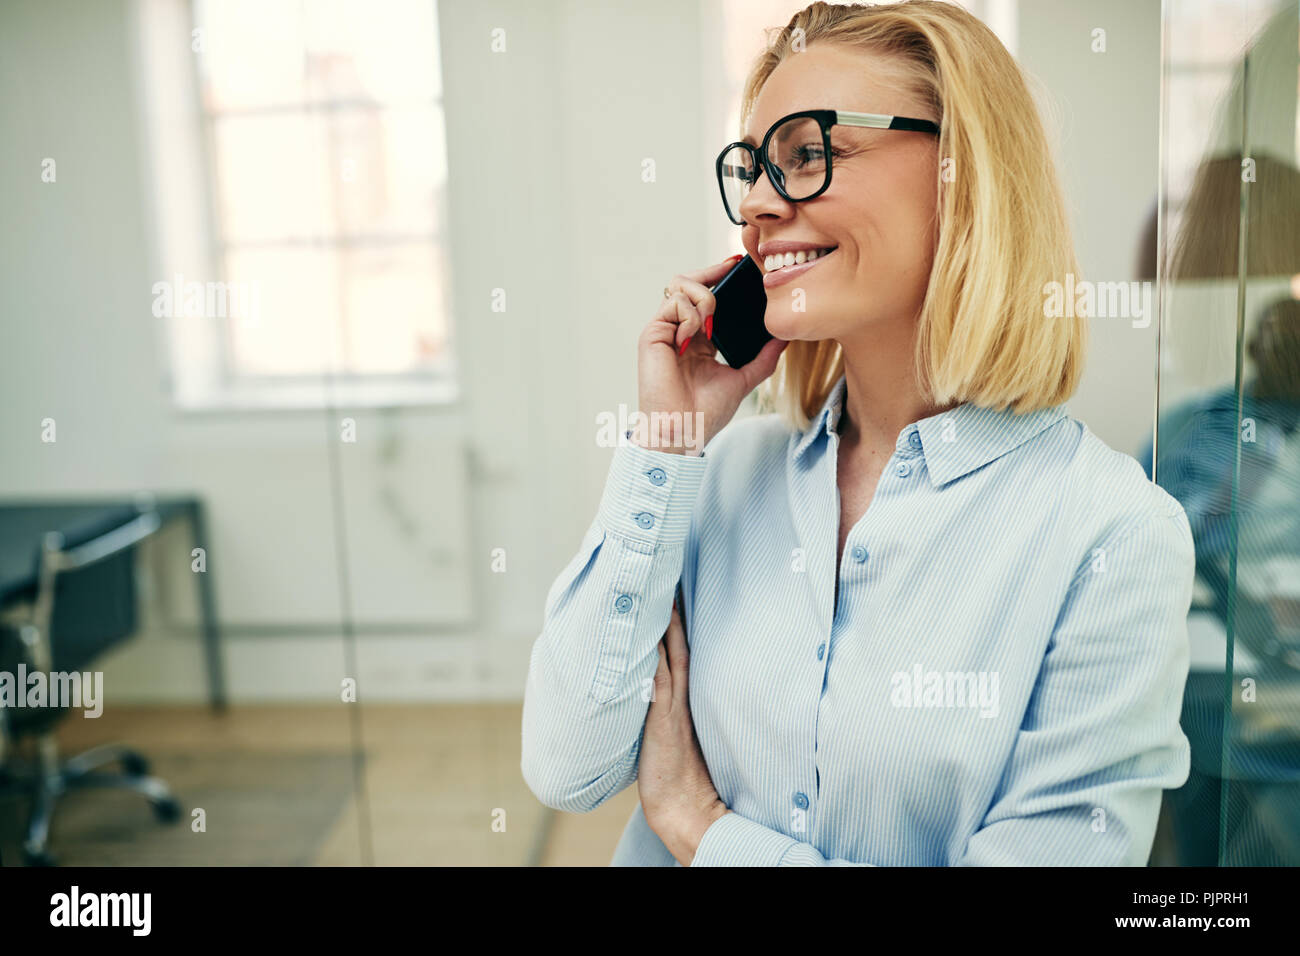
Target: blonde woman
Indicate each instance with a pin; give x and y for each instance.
(932, 619)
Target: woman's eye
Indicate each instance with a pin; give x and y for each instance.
(813, 155)
(809, 154)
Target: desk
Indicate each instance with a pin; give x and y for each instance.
(23, 525)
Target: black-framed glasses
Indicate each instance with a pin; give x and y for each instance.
(796, 154)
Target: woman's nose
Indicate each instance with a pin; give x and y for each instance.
(763, 200)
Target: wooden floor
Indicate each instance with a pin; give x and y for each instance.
(435, 778)
(434, 775)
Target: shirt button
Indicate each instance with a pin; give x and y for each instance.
(623, 604)
(903, 469)
(801, 801)
(657, 476)
(821, 651)
(915, 439)
(645, 519)
(859, 553)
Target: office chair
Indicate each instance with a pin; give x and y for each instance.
(84, 603)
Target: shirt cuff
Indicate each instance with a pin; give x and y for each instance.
(649, 495)
(732, 840)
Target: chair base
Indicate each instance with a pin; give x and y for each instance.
(53, 778)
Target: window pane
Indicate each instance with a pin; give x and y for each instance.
(251, 52)
(343, 172)
(387, 49)
(266, 53)
(271, 178)
(330, 175)
(392, 166)
(395, 309)
(295, 330)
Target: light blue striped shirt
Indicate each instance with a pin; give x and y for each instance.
(1000, 683)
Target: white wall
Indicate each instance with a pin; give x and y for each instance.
(546, 148)
(1107, 107)
(547, 203)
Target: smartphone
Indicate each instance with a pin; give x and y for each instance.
(738, 330)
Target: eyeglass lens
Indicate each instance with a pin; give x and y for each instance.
(797, 154)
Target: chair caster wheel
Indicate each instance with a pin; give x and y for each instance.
(38, 858)
(167, 810)
(135, 765)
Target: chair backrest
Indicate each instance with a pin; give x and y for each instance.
(94, 608)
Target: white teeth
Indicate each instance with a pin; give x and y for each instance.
(780, 261)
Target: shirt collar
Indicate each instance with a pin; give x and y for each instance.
(954, 443)
(825, 421)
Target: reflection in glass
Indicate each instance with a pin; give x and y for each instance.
(1227, 446)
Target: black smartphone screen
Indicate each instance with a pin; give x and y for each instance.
(738, 330)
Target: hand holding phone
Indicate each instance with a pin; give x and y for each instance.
(711, 312)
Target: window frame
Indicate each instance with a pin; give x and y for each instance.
(228, 388)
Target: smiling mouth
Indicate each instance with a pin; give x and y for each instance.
(775, 263)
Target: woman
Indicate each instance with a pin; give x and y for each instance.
(937, 622)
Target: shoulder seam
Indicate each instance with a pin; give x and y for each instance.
(1123, 533)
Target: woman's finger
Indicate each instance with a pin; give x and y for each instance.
(678, 656)
(711, 274)
(701, 297)
(689, 321)
(697, 284)
(662, 329)
(662, 692)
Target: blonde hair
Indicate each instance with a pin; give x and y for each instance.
(1002, 230)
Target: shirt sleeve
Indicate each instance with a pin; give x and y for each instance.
(733, 840)
(587, 692)
(1100, 738)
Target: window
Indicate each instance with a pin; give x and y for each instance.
(321, 174)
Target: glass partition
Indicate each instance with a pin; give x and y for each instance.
(1228, 394)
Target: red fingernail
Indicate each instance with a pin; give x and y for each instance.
(737, 257)
(682, 350)
(708, 326)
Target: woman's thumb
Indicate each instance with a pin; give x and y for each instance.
(763, 364)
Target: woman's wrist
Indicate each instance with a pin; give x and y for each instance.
(654, 434)
(683, 833)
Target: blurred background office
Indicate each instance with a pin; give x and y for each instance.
(312, 310)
